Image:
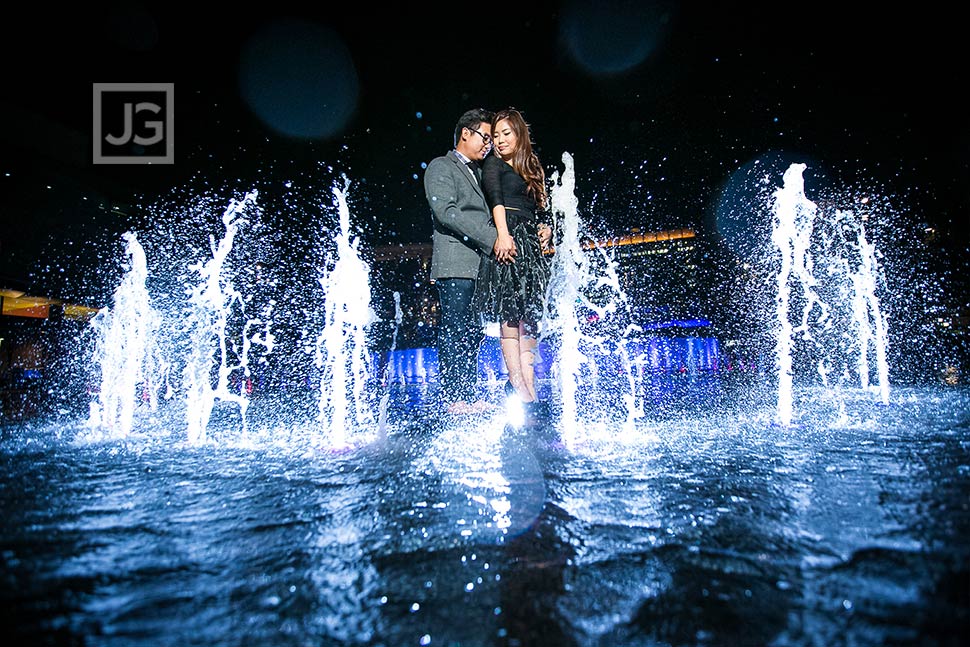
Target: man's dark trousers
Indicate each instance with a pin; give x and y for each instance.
(459, 337)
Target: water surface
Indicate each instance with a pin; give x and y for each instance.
(709, 527)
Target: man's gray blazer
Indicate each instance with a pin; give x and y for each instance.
(462, 224)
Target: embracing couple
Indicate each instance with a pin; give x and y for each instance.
(487, 253)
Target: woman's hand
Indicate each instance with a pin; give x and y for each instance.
(504, 248)
(545, 236)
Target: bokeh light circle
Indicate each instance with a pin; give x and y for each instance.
(613, 36)
(299, 78)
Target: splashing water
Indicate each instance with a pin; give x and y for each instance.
(210, 303)
(572, 280)
(217, 336)
(385, 399)
(632, 399)
(126, 350)
(564, 282)
(341, 349)
(868, 317)
(792, 230)
(584, 285)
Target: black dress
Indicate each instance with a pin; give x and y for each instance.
(512, 292)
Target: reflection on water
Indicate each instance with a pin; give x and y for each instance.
(713, 528)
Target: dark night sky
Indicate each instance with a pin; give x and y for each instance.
(659, 103)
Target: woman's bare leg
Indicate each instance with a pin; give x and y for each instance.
(512, 355)
(527, 359)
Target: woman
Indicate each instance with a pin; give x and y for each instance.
(511, 284)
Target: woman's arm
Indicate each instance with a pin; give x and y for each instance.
(504, 247)
(504, 244)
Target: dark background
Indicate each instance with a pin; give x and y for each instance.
(659, 103)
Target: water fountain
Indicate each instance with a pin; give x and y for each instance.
(385, 399)
(852, 280)
(341, 350)
(573, 284)
(211, 302)
(127, 355)
(713, 526)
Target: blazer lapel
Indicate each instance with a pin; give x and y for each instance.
(467, 174)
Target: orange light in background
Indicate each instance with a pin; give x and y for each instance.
(40, 307)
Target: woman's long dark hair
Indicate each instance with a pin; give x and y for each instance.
(524, 161)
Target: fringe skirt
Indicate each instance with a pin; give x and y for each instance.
(514, 292)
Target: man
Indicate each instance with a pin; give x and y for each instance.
(462, 230)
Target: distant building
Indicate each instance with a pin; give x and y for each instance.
(659, 271)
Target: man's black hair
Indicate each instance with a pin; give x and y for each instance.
(471, 120)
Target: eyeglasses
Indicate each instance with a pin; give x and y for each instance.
(485, 138)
